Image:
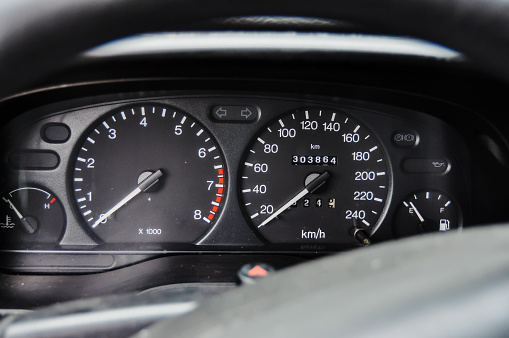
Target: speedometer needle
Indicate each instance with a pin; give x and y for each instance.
(147, 183)
(310, 187)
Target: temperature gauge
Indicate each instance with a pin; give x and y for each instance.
(426, 211)
(30, 214)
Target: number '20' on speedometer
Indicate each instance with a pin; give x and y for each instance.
(314, 176)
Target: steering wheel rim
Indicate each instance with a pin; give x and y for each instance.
(37, 40)
(448, 285)
(38, 37)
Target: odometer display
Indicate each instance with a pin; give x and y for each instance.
(338, 178)
(149, 174)
(314, 160)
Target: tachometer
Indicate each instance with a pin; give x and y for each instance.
(315, 175)
(149, 173)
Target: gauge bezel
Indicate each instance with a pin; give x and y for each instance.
(262, 128)
(25, 243)
(400, 206)
(98, 121)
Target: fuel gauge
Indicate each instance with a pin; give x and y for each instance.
(426, 211)
(30, 214)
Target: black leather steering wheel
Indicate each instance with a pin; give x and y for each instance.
(453, 284)
(37, 37)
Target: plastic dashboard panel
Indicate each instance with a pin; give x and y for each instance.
(466, 140)
(232, 232)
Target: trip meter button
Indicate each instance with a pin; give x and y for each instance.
(313, 175)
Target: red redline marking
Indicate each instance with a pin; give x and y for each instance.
(219, 191)
(53, 200)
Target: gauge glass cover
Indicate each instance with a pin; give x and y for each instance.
(31, 214)
(291, 151)
(128, 149)
(425, 212)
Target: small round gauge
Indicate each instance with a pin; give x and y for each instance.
(426, 211)
(313, 176)
(149, 173)
(31, 214)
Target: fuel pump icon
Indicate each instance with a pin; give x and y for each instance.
(445, 225)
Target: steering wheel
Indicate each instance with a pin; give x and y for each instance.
(452, 284)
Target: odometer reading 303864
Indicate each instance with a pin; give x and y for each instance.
(315, 176)
(149, 174)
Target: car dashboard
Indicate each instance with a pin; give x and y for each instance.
(122, 174)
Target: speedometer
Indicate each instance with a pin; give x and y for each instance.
(315, 176)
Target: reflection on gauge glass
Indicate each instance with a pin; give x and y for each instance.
(149, 173)
(313, 176)
(424, 212)
(30, 214)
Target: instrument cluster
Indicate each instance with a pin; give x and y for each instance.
(228, 173)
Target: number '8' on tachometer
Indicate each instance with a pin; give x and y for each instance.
(313, 175)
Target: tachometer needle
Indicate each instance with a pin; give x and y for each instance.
(417, 212)
(310, 187)
(147, 183)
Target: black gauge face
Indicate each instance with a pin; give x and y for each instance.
(149, 174)
(313, 176)
(30, 214)
(424, 212)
